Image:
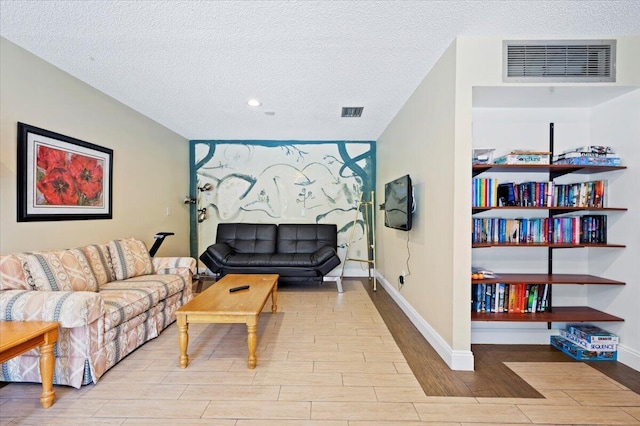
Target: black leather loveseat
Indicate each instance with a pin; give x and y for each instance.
(297, 252)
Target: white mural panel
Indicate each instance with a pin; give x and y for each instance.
(285, 182)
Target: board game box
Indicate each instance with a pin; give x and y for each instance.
(581, 354)
(592, 333)
(596, 346)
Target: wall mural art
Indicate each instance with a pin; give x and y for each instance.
(283, 182)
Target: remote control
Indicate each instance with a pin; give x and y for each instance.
(242, 287)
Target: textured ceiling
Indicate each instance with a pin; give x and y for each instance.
(192, 65)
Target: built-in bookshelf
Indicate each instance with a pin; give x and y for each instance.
(541, 283)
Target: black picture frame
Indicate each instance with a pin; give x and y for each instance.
(62, 178)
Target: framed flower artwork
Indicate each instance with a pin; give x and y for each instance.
(62, 178)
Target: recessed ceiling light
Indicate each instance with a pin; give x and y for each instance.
(270, 112)
(253, 102)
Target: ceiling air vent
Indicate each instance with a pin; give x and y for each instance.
(585, 61)
(352, 111)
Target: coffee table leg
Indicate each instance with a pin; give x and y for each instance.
(183, 340)
(252, 340)
(274, 298)
(46, 368)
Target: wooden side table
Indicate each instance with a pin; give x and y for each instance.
(18, 337)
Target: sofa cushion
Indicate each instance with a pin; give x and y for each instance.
(306, 237)
(64, 270)
(12, 274)
(165, 285)
(100, 261)
(121, 305)
(130, 258)
(248, 237)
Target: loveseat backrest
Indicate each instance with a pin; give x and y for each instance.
(306, 238)
(248, 237)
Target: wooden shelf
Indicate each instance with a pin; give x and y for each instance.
(552, 245)
(559, 314)
(552, 210)
(554, 170)
(547, 279)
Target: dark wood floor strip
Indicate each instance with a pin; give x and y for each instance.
(491, 378)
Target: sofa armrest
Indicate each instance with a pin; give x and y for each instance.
(323, 254)
(70, 308)
(220, 252)
(185, 266)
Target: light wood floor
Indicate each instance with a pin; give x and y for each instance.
(325, 359)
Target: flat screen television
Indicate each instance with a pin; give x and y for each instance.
(398, 203)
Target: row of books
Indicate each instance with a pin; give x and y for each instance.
(586, 342)
(487, 192)
(587, 229)
(484, 192)
(511, 298)
(551, 194)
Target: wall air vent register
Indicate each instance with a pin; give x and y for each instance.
(353, 112)
(537, 61)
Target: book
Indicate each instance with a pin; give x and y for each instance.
(596, 346)
(592, 333)
(581, 354)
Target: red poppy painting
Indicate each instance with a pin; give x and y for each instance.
(61, 178)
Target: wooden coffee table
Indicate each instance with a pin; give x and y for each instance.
(217, 305)
(18, 337)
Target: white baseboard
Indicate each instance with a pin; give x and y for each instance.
(629, 357)
(355, 272)
(510, 333)
(455, 359)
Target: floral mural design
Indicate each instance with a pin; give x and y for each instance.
(64, 178)
(280, 182)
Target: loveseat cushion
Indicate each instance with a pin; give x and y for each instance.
(64, 270)
(248, 237)
(12, 275)
(305, 237)
(100, 261)
(130, 258)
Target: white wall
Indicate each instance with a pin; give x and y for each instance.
(150, 163)
(420, 141)
(617, 123)
(479, 65)
(431, 138)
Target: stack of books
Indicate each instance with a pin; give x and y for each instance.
(589, 155)
(585, 342)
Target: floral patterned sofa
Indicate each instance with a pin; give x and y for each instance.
(109, 299)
